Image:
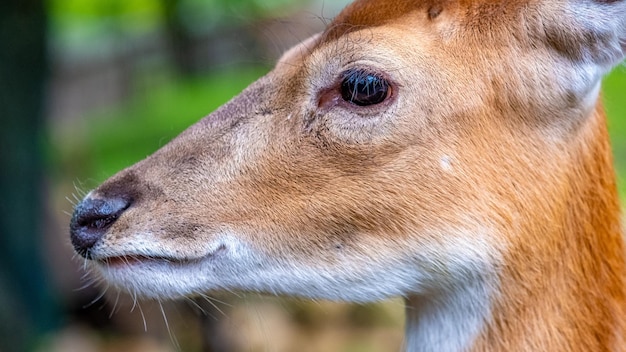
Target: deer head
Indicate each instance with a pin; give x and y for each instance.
(452, 152)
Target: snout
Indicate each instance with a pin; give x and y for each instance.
(92, 218)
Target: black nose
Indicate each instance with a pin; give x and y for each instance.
(91, 219)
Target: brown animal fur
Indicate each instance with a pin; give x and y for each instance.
(489, 162)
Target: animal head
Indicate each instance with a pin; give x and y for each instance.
(406, 148)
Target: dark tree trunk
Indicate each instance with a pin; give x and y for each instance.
(179, 39)
(26, 308)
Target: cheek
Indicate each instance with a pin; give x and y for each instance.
(341, 213)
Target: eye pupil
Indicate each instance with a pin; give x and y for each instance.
(363, 88)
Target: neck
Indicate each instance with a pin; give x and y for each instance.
(448, 321)
(561, 286)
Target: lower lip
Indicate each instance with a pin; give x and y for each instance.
(123, 261)
(134, 260)
(127, 260)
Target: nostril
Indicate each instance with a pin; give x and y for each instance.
(91, 218)
(96, 221)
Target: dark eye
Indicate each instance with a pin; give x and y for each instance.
(364, 88)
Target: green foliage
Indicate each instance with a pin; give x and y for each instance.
(615, 104)
(85, 26)
(106, 142)
(200, 15)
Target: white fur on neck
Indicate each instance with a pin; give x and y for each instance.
(449, 321)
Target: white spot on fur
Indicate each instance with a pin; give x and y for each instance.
(446, 163)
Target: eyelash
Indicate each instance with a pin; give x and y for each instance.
(364, 88)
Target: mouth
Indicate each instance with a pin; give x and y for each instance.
(136, 259)
(131, 260)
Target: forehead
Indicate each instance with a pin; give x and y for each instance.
(363, 14)
(370, 13)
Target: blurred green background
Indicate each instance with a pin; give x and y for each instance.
(97, 85)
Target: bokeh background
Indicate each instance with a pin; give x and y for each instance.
(88, 87)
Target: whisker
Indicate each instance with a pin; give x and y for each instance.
(208, 300)
(78, 200)
(133, 294)
(234, 293)
(96, 299)
(85, 285)
(197, 306)
(85, 264)
(169, 330)
(143, 317)
(72, 202)
(79, 189)
(215, 300)
(117, 298)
